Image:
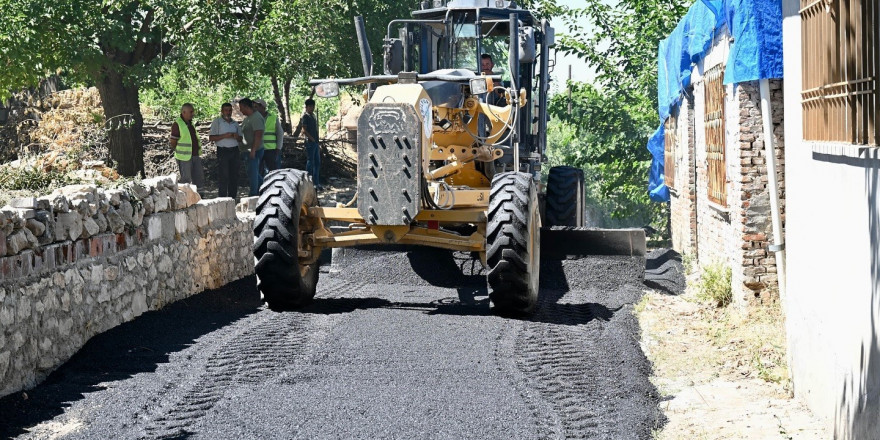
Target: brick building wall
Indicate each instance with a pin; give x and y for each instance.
(755, 223)
(683, 216)
(714, 234)
(736, 235)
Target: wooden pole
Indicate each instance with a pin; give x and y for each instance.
(569, 89)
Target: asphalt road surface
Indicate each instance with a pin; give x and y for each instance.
(396, 345)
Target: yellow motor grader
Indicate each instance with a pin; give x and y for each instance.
(448, 157)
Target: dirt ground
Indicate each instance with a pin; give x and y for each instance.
(718, 375)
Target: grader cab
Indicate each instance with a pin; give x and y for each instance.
(448, 157)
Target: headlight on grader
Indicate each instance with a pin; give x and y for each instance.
(327, 89)
(479, 86)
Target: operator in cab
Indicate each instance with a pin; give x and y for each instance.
(494, 97)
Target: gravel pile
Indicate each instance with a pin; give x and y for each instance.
(665, 272)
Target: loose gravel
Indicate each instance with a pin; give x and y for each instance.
(397, 344)
(664, 271)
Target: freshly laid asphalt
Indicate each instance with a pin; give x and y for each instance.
(396, 345)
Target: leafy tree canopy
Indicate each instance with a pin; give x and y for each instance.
(607, 129)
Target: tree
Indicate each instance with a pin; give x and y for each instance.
(613, 119)
(116, 45)
(291, 41)
(605, 136)
(317, 39)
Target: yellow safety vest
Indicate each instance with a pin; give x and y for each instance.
(184, 148)
(269, 140)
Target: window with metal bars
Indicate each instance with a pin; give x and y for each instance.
(840, 62)
(717, 169)
(670, 138)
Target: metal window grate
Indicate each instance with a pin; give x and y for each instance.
(840, 61)
(717, 170)
(670, 138)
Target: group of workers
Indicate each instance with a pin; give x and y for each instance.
(257, 141)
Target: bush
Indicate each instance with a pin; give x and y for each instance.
(715, 285)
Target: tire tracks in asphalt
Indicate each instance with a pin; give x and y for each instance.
(265, 347)
(569, 372)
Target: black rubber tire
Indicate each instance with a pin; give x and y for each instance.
(284, 282)
(565, 197)
(513, 243)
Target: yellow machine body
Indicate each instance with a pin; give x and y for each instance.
(448, 155)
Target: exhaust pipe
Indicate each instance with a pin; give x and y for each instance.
(366, 54)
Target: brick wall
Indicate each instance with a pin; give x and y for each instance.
(736, 235)
(754, 219)
(683, 216)
(714, 234)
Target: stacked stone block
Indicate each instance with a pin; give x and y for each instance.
(83, 260)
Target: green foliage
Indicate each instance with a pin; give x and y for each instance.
(606, 137)
(621, 43)
(611, 122)
(175, 88)
(689, 262)
(294, 40)
(715, 285)
(88, 40)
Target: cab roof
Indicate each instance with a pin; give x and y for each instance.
(488, 9)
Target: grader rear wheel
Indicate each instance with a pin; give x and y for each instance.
(283, 279)
(513, 243)
(565, 197)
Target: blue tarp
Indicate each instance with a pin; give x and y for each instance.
(657, 190)
(756, 53)
(687, 44)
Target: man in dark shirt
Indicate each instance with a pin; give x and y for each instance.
(186, 148)
(252, 129)
(308, 124)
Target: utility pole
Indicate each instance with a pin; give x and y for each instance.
(569, 89)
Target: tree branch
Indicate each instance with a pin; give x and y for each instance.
(138, 53)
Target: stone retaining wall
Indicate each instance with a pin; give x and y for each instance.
(74, 279)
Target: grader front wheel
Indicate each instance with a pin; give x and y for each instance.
(513, 243)
(284, 281)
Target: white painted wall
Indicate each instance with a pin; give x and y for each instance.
(832, 306)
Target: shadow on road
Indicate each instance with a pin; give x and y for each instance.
(471, 301)
(138, 346)
(442, 268)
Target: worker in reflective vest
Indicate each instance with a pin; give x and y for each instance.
(273, 138)
(185, 145)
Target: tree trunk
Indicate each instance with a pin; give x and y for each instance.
(279, 102)
(287, 103)
(124, 122)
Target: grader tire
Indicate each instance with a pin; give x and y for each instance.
(513, 244)
(565, 197)
(284, 282)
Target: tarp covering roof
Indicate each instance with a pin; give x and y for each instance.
(755, 53)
